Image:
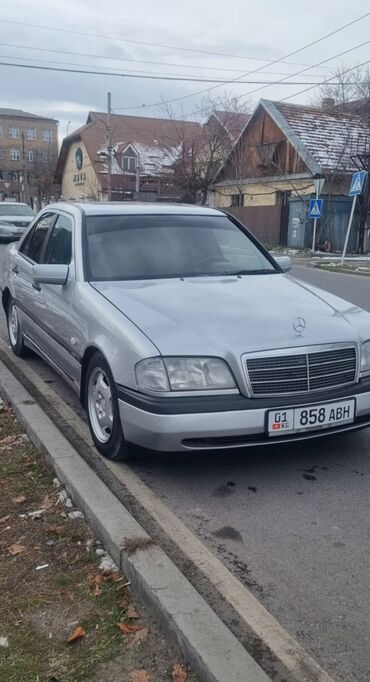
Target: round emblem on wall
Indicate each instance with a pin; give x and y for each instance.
(79, 158)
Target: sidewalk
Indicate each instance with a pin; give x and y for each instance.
(66, 612)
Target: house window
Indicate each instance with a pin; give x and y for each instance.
(1, 175)
(14, 133)
(129, 160)
(47, 135)
(15, 154)
(237, 200)
(1, 153)
(31, 134)
(14, 176)
(29, 155)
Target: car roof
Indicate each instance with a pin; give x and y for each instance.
(135, 207)
(13, 203)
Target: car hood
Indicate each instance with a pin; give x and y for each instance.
(16, 219)
(233, 315)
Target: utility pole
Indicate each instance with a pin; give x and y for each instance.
(25, 185)
(361, 159)
(109, 145)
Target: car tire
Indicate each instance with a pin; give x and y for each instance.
(103, 412)
(14, 330)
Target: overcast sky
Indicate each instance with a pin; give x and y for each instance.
(264, 30)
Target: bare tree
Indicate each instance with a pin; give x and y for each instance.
(42, 177)
(350, 86)
(199, 151)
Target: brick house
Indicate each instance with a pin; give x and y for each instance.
(28, 154)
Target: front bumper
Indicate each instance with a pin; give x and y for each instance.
(175, 424)
(11, 233)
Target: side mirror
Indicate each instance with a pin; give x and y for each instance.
(50, 274)
(285, 262)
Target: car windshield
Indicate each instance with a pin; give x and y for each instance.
(162, 246)
(15, 209)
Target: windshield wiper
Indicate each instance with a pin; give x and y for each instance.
(252, 272)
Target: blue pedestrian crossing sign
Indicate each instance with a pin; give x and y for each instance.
(357, 183)
(315, 208)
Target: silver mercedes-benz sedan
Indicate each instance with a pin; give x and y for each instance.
(180, 332)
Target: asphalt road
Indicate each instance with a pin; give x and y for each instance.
(292, 522)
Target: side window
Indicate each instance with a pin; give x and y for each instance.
(59, 248)
(33, 243)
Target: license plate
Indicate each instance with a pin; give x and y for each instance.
(310, 417)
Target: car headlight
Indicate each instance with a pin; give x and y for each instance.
(365, 358)
(183, 374)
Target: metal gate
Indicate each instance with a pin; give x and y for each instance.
(331, 228)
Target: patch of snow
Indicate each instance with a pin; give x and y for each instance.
(62, 495)
(107, 564)
(36, 514)
(75, 515)
(4, 641)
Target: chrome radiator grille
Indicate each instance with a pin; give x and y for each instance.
(303, 372)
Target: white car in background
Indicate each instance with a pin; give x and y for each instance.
(15, 218)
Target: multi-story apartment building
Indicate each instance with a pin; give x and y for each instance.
(28, 155)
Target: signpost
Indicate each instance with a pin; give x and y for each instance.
(316, 207)
(357, 187)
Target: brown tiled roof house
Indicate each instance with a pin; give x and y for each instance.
(143, 152)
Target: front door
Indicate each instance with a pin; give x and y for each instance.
(28, 295)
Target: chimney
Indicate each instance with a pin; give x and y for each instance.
(327, 103)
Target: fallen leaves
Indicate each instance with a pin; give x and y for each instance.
(132, 614)
(128, 629)
(16, 549)
(57, 530)
(132, 545)
(8, 439)
(4, 519)
(78, 633)
(179, 673)
(140, 676)
(19, 500)
(139, 636)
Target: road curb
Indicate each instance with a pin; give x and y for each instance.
(337, 269)
(208, 645)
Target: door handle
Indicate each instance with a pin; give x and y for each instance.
(15, 269)
(36, 286)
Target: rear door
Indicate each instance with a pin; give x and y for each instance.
(62, 327)
(29, 296)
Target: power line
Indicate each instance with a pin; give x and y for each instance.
(250, 92)
(128, 74)
(297, 73)
(274, 61)
(328, 80)
(140, 42)
(128, 59)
